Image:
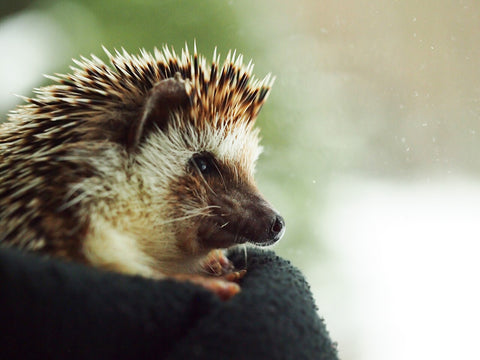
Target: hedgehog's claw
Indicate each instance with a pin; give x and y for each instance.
(222, 287)
(235, 275)
(217, 263)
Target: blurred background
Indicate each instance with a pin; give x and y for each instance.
(371, 137)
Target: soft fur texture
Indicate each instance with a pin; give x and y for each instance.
(50, 309)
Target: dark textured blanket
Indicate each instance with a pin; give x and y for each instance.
(55, 310)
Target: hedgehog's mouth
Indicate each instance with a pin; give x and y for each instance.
(214, 234)
(222, 239)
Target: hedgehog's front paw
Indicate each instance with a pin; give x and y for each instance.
(234, 275)
(217, 263)
(222, 287)
(219, 275)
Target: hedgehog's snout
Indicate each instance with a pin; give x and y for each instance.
(242, 216)
(260, 224)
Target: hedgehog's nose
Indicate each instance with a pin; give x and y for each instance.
(277, 229)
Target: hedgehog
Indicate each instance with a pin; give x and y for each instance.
(144, 166)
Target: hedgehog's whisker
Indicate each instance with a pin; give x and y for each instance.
(193, 213)
(203, 179)
(180, 218)
(245, 256)
(208, 186)
(221, 176)
(205, 211)
(209, 270)
(236, 235)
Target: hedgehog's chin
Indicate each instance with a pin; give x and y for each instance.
(224, 239)
(220, 239)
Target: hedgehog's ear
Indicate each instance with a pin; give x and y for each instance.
(166, 96)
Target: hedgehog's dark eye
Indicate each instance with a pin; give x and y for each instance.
(203, 162)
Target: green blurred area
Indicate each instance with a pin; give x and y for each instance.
(134, 25)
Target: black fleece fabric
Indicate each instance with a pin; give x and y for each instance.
(50, 309)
